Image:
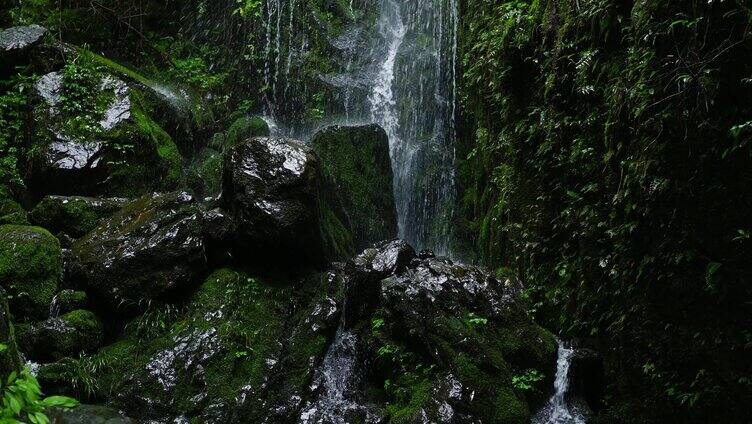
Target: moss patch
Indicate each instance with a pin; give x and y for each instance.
(30, 266)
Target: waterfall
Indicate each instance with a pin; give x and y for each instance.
(55, 306)
(558, 410)
(401, 74)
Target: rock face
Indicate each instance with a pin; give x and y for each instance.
(121, 151)
(445, 339)
(356, 162)
(74, 216)
(74, 333)
(270, 186)
(18, 39)
(153, 246)
(30, 267)
(587, 377)
(423, 340)
(242, 352)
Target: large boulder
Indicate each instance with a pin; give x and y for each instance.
(439, 342)
(30, 268)
(69, 335)
(103, 145)
(153, 247)
(270, 186)
(74, 216)
(356, 162)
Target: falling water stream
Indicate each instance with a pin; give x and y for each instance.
(558, 410)
(400, 72)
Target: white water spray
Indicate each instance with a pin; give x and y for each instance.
(558, 410)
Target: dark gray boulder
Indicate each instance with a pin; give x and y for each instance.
(120, 151)
(270, 186)
(152, 247)
(444, 340)
(69, 335)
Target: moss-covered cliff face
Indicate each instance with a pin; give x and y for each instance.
(606, 160)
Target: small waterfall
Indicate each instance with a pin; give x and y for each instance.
(55, 307)
(559, 410)
(402, 74)
(338, 381)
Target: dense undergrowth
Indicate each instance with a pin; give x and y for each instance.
(606, 160)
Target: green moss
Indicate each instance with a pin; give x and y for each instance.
(337, 237)
(74, 216)
(82, 319)
(147, 159)
(508, 408)
(355, 160)
(244, 128)
(30, 266)
(412, 394)
(8, 207)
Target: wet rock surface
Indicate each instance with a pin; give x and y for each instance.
(111, 148)
(391, 336)
(153, 246)
(69, 335)
(438, 342)
(270, 187)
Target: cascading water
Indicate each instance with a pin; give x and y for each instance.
(337, 382)
(559, 410)
(400, 73)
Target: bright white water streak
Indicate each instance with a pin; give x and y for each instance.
(558, 410)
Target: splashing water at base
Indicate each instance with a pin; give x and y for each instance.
(559, 410)
(337, 380)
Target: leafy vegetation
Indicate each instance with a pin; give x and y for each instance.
(22, 399)
(606, 160)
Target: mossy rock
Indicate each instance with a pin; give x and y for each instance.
(67, 301)
(30, 267)
(237, 336)
(242, 129)
(105, 143)
(356, 163)
(74, 216)
(76, 332)
(152, 249)
(12, 213)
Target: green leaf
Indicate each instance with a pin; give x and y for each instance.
(60, 401)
